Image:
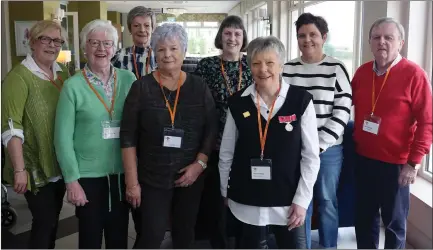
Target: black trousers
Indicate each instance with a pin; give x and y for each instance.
(211, 219)
(254, 237)
(135, 212)
(45, 207)
(159, 205)
(377, 188)
(96, 219)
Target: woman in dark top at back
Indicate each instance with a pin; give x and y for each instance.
(170, 116)
(225, 74)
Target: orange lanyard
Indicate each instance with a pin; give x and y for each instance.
(223, 72)
(135, 62)
(113, 97)
(373, 92)
(259, 120)
(172, 111)
(54, 82)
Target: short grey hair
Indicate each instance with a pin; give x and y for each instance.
(99, 26)
(169, 31)
(140, 11)
(262, 44)
(388, 20)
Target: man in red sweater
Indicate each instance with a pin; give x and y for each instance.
(393, 131)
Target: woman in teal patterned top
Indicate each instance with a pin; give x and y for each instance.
(225, 74)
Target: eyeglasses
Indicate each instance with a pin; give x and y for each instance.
(95, 43)
(47, 40)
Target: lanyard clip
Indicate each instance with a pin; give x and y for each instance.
(261, 156)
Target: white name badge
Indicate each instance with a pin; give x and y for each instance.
(261, 169)
(110, 129)
(172, 138)
(172, 141)
(371, 124)
(260, 173)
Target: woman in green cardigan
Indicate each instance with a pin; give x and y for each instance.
(28, 105)
(86, 139)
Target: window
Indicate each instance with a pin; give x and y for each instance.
(210, 24)
(263, 26)
(293, 40)
(341, 26)
(429, 162)
(201, 38)
(201, 41)
(193, 24)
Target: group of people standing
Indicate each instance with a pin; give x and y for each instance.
(248, 136)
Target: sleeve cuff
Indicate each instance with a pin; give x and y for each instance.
(301, 201)
(415, 158)
(7, 136)
(224, 193)
(71, 179)
(323, 145)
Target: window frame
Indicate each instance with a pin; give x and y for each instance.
(423, 171)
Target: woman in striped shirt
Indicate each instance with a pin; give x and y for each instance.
(326, 78)
(138, 58)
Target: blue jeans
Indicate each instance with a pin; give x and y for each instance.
(325, 194)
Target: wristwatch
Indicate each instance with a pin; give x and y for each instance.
(202, 164)
(415, 166)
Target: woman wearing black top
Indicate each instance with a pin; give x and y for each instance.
(170, 117)
(225, 74)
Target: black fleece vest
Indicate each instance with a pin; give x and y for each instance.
(282, 147)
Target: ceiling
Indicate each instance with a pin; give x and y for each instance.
(190, 6)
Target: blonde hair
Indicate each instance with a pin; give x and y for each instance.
(41, 26)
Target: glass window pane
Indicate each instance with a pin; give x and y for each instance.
(210, 24)
(201, 42)
(429, 164)
(339, 43)
(293, 40)
(193, 24)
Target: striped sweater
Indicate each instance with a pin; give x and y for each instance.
(329, 83)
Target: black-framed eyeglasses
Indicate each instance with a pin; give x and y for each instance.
(47, 40)
(95, 43)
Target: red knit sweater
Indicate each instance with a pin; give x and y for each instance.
(405, 109)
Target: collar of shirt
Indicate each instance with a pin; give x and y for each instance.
(94, 79)
(396, 60)
(30, 64)
(251, 91)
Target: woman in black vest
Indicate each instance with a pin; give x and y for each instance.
(269, 156)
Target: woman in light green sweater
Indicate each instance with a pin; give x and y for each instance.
(86, 139)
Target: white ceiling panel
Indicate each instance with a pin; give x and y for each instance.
(190, 6)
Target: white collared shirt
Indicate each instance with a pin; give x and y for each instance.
(30, 63)
(310, 163)
(396, 60)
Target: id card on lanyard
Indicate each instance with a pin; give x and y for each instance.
(261, 169)
(109, 129)
(172, 137)
(372, 122)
